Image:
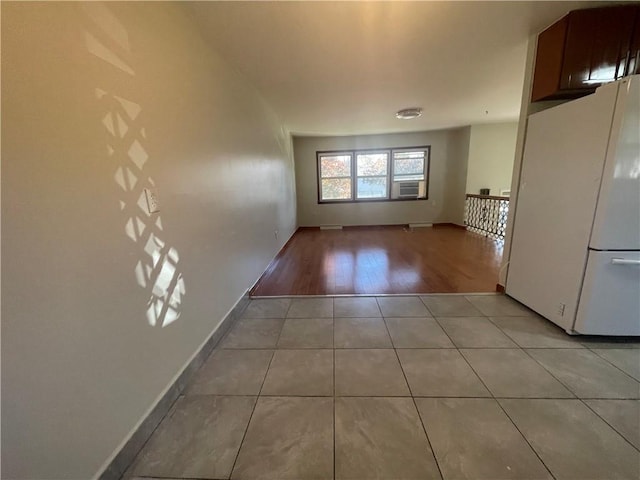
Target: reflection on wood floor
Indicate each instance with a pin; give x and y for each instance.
(383, 260)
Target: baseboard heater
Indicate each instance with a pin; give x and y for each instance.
(420, 225)
(330, 227)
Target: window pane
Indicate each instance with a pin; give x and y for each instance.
(409, 154)
(372, 164)
(336, 189)
(372, 187)
(408, 168)
(335, 166)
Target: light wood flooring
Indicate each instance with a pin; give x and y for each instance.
(383, 260)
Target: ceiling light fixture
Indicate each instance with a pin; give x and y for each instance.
(409, 113)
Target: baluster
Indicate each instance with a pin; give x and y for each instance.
(487, 215)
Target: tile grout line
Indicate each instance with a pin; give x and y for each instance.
(493, 397)
(516, 347)
(502, 397)
(156, 477)
(611, 363)
(577, 397)
(535, 452)
(133, 463)
(171, 410)
(427, 307)
(333, 345)
(286, 314)
(484, 317)
(505, 333)
(255, 404)
(183, 394)
(605, 421)
(244, 435)
(551, 373)
(413, 400)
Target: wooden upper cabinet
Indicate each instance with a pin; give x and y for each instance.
(549, 55)
(633, 65)
(585, 49)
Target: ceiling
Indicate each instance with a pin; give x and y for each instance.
(342, 68)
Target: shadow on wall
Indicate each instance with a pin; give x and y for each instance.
(156, 263)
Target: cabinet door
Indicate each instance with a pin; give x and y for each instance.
(597, 46)
(548, 66)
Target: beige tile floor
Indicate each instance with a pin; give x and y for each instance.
(417, 387)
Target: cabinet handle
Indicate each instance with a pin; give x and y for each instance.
(624, 261)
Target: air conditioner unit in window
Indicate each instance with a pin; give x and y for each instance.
(409, 189)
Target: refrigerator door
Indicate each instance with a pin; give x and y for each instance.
(564, 156)
(610, 298)
(617, 221)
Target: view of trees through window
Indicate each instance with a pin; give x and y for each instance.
(335, 174)
(372, 171)
(408, 166)
(373, 175)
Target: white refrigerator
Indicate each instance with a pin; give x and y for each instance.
(575, 252)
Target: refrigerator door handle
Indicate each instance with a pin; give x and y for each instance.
(624, 261)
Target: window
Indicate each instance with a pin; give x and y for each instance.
(372, 172)
(335, 177)
(408, 165)
(373, 175)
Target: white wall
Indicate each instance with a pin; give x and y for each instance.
(448, 167)
(81, 364)
(491, 152)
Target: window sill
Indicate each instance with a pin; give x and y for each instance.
(373, 200)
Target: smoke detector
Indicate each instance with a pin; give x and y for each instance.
(409, 113)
